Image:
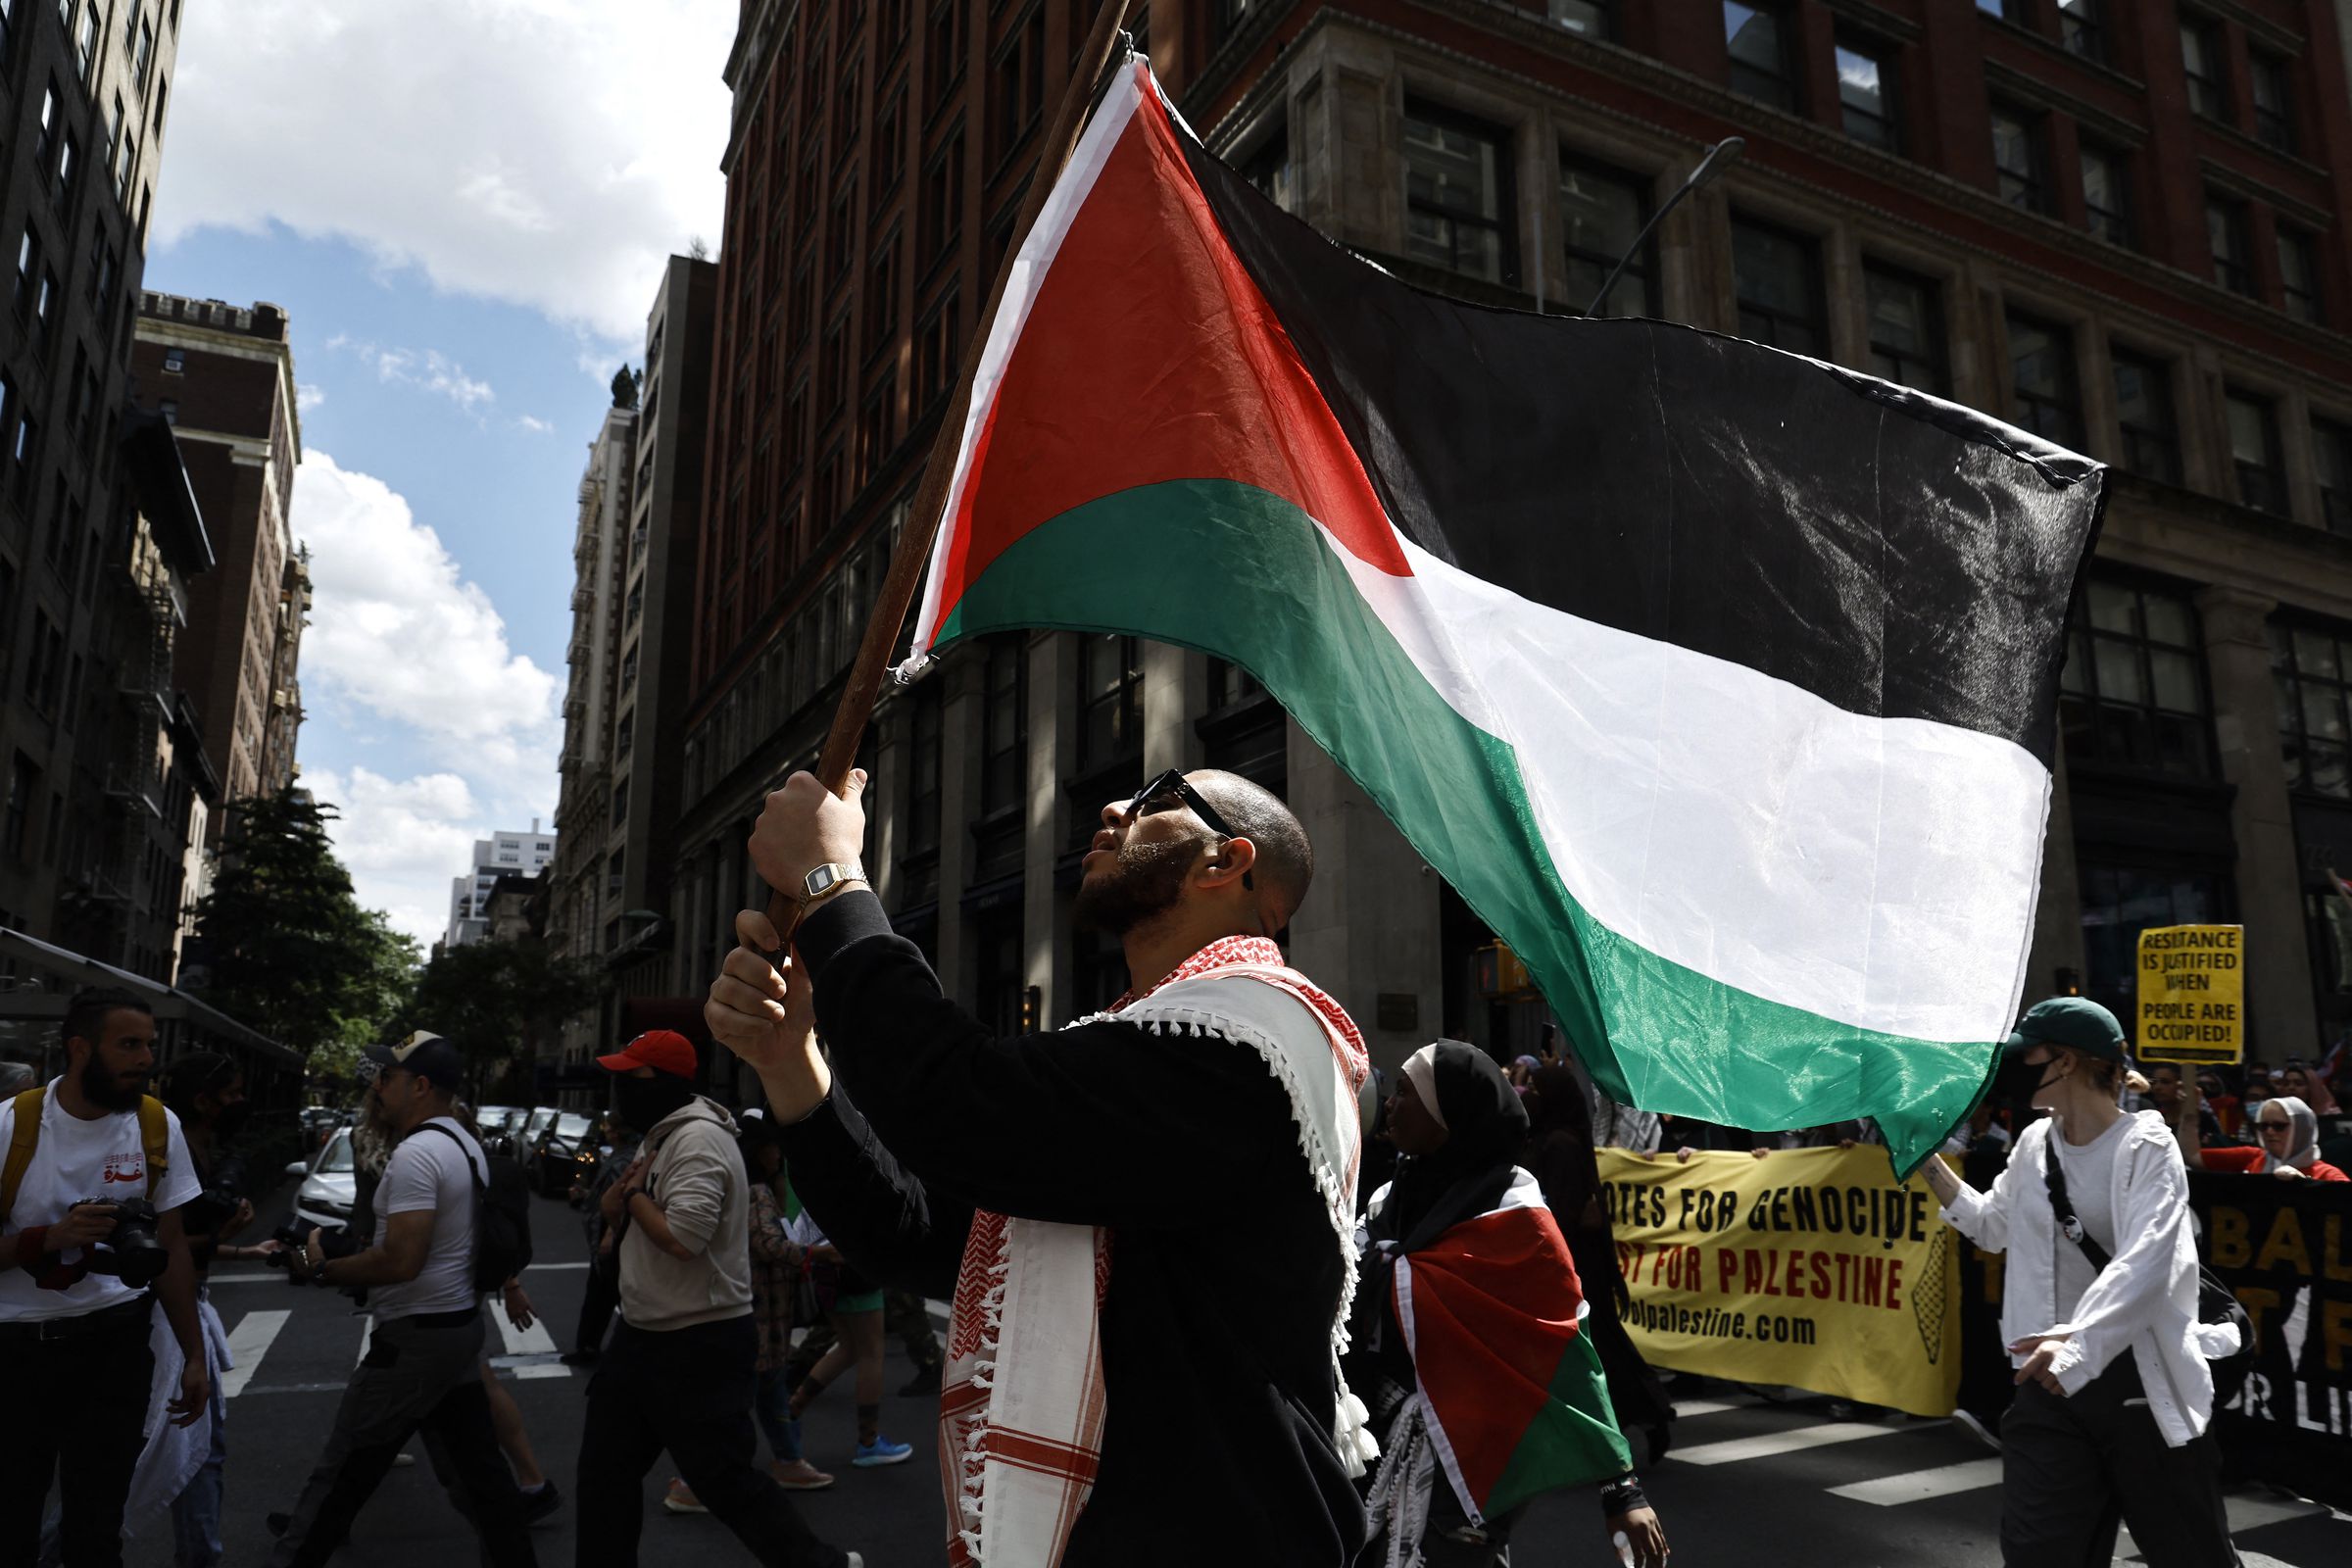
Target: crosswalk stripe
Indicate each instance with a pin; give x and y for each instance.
(533, 1340)
(248, 1342)
(1766, 1444)
(1918, 1486)
(1683, 1408)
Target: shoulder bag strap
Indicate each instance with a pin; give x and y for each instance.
(450, 1133)
(22, 1142)
(2061, 1207)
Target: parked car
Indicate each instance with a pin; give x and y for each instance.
(553, 1163)
(317, 1121)
(498, 1124)
(330, 1183)
(525, 1138)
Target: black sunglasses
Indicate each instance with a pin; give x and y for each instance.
(1168, 792)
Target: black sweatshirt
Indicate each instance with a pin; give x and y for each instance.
(1224, 1278)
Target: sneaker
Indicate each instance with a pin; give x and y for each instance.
(855, 1561)
(680, 1497)
(585, 1356)
(881, 1451)
(925, 1381)
(403, 1460)
(799, 1475)
(540, 1502)
(1976, 1428)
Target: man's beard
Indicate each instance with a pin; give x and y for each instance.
(99, 1088)
(1146, 881)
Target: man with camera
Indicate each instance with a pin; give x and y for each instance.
(94, 1177)
(420, 1369)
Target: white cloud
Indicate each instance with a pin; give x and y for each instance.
(397, 632)
(403, 839)
(548, 153)
(432, 371)
(535, 424)
(308, 397)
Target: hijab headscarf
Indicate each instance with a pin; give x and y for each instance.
(2302, 1138)
(1486, 1127)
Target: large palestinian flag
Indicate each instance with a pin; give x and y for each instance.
(1492, 1315)
(1718, 681)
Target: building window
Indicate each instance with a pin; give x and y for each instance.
(889, 149)
(2133, 691)
(2083, 28)
(882, 297)
(175, 362)
(2017, 161)
(23, 784)
(2041, 380)
(1457, 195)
(1603, 210)
(1271, 170)
(1005, 725)
(1777, 277)
(1110, 700)
(2143, 410)
(942, 51)
(1016, 88)
(2006, 10)
(1866, 93)
(2332, 462)
(2300, 275)
(938, 346)
(2226, 228)
(2312, 672)
(875, 427)
(1588, 18)
(942, 200)
(1756, 38)
(2254, 452)
(924, 751)
(2106, 194)
(2274, 100)
(1906, 330)
(2206, 64)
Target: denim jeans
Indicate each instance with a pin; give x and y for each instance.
(196, 1511)
(771, 1403)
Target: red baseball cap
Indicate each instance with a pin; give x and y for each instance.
(662, 1049)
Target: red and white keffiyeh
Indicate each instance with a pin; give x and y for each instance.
(1022, 1401)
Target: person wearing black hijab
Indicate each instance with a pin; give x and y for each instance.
(1559, 1156)
(1459, 1128)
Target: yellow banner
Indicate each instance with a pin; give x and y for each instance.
(1809, 1267)
(2193, 993)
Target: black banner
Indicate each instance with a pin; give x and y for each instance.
(2285, 1248)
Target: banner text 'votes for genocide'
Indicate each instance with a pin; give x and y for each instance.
(1814, 1268)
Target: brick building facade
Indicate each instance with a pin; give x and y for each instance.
(2120, 226)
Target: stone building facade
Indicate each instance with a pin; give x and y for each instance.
(2121, 227)
(222, 376)
(84, 89)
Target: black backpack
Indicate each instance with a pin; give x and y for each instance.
(502, 1217)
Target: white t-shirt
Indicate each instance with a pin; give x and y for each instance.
(2089, 1172)
(78, 1160)
(427, 1171)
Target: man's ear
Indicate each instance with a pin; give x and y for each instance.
(1237, 859)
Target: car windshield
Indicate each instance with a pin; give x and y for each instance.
(335, 1158)
(571, 1127)
(500, 1117)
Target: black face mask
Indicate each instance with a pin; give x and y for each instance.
(642, 1103)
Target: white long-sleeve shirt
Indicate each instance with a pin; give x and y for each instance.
(2144, 1300)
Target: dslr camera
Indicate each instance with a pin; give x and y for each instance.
(131, 1254)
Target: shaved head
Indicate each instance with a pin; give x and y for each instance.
(1286, 860)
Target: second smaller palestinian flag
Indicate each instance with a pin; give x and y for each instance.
(1517, 1405)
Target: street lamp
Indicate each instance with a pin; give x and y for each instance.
(1721, 153)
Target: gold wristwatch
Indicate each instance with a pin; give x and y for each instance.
(828, 879)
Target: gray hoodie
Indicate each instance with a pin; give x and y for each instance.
(696, 1177)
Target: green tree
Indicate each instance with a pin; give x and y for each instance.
(492, 999)
(282, 945)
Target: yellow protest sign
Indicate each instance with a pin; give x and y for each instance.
(2193, 993)
(1811, 1268)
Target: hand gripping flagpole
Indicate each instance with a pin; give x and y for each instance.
(913, 553)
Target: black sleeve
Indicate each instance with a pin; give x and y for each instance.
(884, 1220)
(1108, 1124)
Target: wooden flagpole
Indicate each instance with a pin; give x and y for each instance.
(913, 553)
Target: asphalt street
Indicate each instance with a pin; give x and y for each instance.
(1752, 1482)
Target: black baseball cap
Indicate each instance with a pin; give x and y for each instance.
(2074, 1023)
(427, 1055)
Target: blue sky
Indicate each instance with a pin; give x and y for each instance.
(463, 206)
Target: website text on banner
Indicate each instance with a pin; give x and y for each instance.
(1810, 1267)
(2286, 1249)
(2193, 993)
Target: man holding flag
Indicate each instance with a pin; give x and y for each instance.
(1089, 1199)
